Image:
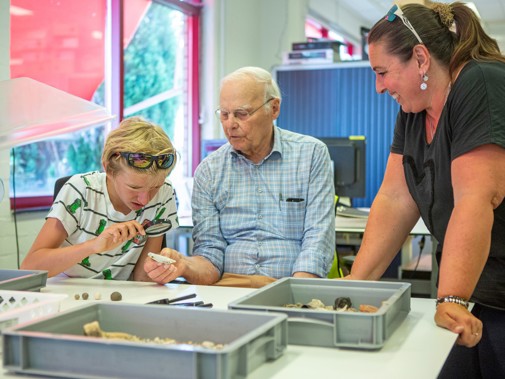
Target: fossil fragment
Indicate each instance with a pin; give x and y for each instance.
(93, 329)
(341, 304)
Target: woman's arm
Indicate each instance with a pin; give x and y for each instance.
(478, 181)
(392, 216)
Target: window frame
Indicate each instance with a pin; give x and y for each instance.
(114, 84)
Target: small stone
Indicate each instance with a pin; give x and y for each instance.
(77, 296)
(116, 296)
(342, 303)
(85, 296)
(98, 296)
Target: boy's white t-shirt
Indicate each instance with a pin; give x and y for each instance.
(84, 208)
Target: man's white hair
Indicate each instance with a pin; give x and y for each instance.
(259, 75)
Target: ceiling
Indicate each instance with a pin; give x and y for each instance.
(492, 13)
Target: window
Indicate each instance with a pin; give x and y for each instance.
(62, 44)
(315, 30)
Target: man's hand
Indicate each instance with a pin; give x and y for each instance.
(163, 273)
(302, 274)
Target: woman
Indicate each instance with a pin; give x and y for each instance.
(97, 225)
(446, 165)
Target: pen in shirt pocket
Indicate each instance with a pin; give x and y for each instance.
(289, 199)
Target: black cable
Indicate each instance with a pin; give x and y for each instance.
(421, 248)
(14, 206)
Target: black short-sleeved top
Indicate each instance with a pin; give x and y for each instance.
(474, 115)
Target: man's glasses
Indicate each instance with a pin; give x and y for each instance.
(240, 114)
(144, 161)
(396, 11)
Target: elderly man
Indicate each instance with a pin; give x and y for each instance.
(263, 203)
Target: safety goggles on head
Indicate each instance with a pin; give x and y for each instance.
(397, 11)
(144, 161)
(239, 114)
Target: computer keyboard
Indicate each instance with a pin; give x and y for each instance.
(345, 211)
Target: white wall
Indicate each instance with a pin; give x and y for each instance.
(234, 33)
(4, 39)
(7, 231)
(238, 33)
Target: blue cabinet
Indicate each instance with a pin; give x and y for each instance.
(339, 100)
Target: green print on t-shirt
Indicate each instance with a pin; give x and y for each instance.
(160, 213)
(101, 227)
(72, 208)
(85, 262)
(126, 246)
(107, 274)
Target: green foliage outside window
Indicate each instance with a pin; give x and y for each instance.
(154, 50)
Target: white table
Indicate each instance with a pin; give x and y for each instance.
(417, 349)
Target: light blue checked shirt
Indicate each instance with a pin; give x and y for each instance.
(273, 218)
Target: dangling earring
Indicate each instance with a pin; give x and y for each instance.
(424, 85)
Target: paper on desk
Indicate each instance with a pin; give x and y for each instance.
(350, 224)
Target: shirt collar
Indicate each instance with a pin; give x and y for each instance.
(276, 149)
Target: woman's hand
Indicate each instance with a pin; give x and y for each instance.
(458, 319)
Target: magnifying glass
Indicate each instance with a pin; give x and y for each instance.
(153, 228)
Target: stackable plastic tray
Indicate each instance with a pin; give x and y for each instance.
(21, 306)
(56, 345)
(22, 280)
(330, 328)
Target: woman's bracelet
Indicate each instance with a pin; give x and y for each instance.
(452, 299)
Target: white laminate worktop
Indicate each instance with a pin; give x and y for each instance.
(417, 349)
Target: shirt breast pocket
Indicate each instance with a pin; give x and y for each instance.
(293, 218)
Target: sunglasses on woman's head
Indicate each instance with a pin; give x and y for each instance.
(144, 161)
(396, 11)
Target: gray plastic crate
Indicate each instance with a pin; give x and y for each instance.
(22, 306)
(330, 328)
(56, 346)
(22, 280)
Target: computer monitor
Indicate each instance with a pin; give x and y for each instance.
(210, 145)
(349, 164)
